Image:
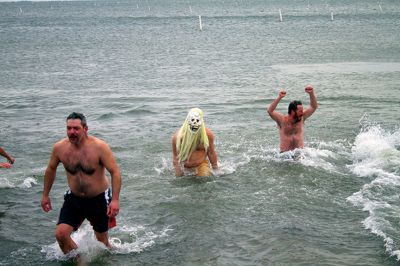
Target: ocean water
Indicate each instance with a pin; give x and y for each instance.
(136, 67)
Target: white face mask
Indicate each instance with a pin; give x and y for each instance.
(194, 121)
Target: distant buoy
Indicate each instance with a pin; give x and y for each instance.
(200, 24)
(332, 15)
(280, 15)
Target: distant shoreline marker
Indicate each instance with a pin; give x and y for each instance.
(280, 15)
(200, 23)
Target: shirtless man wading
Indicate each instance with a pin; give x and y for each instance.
(290, 126)
(85, 159)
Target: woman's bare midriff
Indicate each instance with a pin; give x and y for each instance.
(195, 159)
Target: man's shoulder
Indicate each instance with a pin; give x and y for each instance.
(96, 141)
(278, 117)
(285, 119)
(61, 143)
(60, 147)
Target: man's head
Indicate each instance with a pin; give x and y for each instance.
(295, 109)
(76, 127)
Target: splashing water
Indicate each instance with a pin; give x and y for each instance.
(88, 246)
(139, 239)
(5, 183)
(131, 239)
(28, 182)
(376, 156)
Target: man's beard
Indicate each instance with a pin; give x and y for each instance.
(298, 118)
(73, 139)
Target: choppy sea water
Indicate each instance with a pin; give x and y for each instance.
(135, 68)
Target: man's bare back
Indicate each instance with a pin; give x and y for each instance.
(291, 126)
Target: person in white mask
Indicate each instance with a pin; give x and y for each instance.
(193, 147)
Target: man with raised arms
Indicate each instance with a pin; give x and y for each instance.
(291, 126)
(193, 146)
(85, 159)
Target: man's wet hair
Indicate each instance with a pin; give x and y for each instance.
(293, 105)
(79, 116)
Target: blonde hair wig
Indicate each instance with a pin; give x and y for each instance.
(189, 136)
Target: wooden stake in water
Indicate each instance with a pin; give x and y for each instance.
(200, 23)
(280, 15)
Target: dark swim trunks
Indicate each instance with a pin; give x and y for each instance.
(76, 209)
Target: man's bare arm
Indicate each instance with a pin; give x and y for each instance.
(110, 164)
(271, 109)
(313, 102)
(49, 177)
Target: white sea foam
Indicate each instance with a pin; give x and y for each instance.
(164, 168)
(318, 158)
(28, 182)
(88, 246)
(127, 239)
(375, 156)
(139, 239)
(317, 155)
(5, 183)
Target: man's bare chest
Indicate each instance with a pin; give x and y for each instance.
(290, 129)
(80, 162)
